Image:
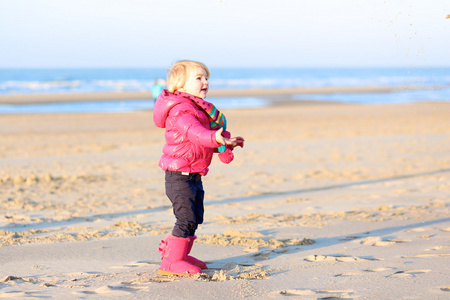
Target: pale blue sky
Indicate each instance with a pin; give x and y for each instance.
(220, 33)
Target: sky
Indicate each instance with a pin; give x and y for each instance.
(224, 33)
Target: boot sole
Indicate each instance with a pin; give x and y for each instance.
(167, 273)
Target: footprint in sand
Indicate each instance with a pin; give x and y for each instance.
(349, 274)
(119, 290)
(12, 278)
(297, 292)
(409, 273)
(137, 264)
(351, 238)
(377, 241)
(20, 295)
(38, 267)
(378, 269)
(427, 236)
(339, 258)
(321, 294)
(261, 256)
(362, 273)
(319, 258)
(233, 271)
(435, 248)
(420, 229)
(427, 255)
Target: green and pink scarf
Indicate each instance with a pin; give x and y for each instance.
(216, 118)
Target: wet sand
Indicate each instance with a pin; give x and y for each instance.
(249, 92)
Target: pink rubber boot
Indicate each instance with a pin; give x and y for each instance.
(173, 251)
(191, 259)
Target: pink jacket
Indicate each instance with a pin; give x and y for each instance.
(190, 143)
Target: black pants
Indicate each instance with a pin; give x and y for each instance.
(186, 194)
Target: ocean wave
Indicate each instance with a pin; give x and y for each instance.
(73, 86)
(103, 80)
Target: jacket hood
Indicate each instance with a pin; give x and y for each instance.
(164, 103)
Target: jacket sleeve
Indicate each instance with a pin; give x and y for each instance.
(190, 126)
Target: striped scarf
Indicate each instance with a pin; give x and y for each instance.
(217, 119)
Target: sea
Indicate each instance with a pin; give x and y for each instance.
(434, 84)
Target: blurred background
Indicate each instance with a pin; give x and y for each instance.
(54, 47)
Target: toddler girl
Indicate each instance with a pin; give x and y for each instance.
(195, 129)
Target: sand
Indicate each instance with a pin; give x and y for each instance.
(326, 201)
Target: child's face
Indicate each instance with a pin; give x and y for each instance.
(196, 83)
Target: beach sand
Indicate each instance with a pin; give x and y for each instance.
(326, 201)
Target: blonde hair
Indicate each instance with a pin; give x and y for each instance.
(178, 74)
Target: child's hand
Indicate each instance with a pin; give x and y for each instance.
(233, 142)
(237, 141)
(219, 138)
